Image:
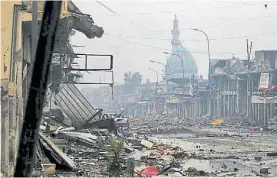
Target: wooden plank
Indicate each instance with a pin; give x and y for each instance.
(62, 155)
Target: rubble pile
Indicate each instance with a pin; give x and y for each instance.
(160, 159)
(74, 153)
(97, 152)
(159, 125)
(80, 153)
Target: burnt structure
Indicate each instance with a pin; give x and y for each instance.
(65, 103)
(246, 87)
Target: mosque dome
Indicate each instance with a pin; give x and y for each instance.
(175, 64)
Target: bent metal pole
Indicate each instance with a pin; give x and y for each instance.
(37, 90)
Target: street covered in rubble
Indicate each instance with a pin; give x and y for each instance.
(221, 151)
(197, 150)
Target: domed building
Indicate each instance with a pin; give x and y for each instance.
(176, 71)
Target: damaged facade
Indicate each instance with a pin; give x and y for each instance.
(17, 70)
(236, 90)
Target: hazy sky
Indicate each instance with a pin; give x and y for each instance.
(140, 31)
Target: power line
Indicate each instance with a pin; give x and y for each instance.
(150, 38)
(195, 40)
(149, 46)
(225, 21)
(158, 48)
(209, 26)
(192, 51)
(121, 16)
(130, 65)
(165, 49)
(105, 7)
(186, 10)
(236, 20)
(246, 36)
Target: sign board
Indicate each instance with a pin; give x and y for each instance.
(173, 100)
(264, 80)
(263, 100)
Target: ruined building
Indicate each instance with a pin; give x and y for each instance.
(18, 52)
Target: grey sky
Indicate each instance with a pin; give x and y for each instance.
(227, 23)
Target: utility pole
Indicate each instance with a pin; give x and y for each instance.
(250, 81)
(157, 80)
(183, 70)
(247, 87)
(209, 74)
(165, 71)
(249, 93)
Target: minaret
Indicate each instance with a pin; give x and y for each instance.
(175, 35)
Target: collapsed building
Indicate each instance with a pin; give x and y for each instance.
(64, 103)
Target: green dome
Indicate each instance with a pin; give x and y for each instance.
(175, 64)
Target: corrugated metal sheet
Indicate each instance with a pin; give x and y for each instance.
(74, 105)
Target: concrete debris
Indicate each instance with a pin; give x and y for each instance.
(48, 169)
(100, 132)
(217, 149)
(153, 147)
(85, 136)
(147, 143)
(272, 154)
(258, 158)
(264, 171)
(61, 155)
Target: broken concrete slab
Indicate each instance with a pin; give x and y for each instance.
(272, 154)
(258, 158)
(169, 159)
(147, 143)
(175, 174)
(136, 147)
(128, 149)
(100, 132)
(58, 141)
(133, 140)
(85, 138)
(264, 170)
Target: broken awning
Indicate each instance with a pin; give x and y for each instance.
(74, 105)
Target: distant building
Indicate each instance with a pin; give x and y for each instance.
(174, 62)
(265, 60)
